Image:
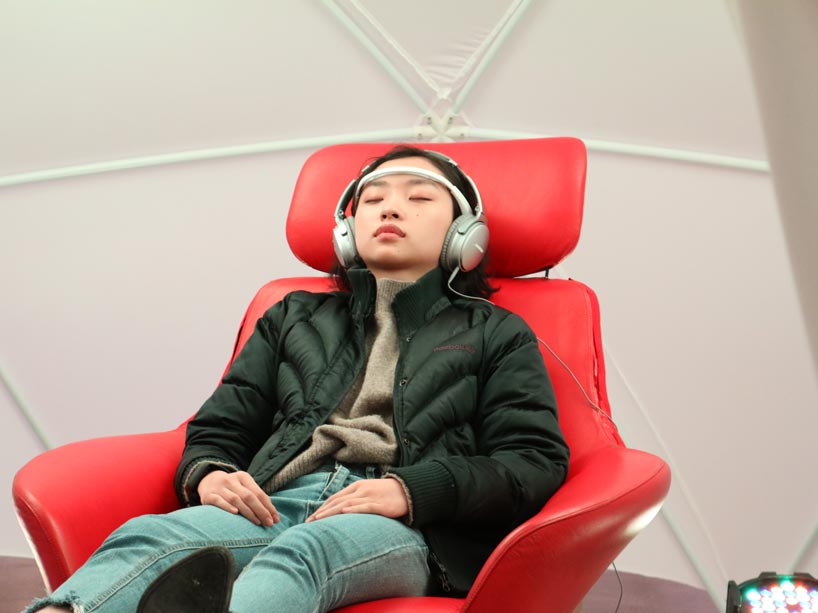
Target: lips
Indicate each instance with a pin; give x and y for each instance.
(390, 229)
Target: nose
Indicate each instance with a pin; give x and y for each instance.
(390, 209)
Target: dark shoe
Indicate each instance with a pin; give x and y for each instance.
(199, 583)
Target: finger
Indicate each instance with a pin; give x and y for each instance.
(325, 510)
(336, 500)
(271, 509)
(348, 493)
(339, 505)
(236, 509)
(243, 501)
(256, 502)
(217, 501)
(323, 513)
(245, 511)
(268, 508)
(365, 507)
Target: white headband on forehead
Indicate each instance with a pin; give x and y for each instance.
(465, 209)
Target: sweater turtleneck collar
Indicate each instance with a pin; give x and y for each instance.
(386, 291)
(413, 304)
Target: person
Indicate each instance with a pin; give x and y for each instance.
(371, 442)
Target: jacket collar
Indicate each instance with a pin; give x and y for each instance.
(413, 305)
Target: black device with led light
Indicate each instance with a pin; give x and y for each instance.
(774, 593)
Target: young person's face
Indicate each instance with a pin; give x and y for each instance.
(401, 221)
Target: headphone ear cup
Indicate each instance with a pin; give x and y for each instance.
(465, 243)
(343, 240)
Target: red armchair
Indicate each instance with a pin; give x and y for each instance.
(533, 195)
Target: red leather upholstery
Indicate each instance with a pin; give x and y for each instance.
(533, 192)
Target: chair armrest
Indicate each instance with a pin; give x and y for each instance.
(71, 498)
(551, 561)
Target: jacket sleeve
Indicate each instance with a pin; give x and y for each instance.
(522, 457)
(236, 420)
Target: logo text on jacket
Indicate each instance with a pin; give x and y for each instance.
(466, 348)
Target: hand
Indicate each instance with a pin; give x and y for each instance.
(377, 496)
(238, 493)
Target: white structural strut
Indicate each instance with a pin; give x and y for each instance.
(605, 146)
(24, 411)
(390, 40)
(204, 154)
(376, 53)
(495, 41)
(423, 133)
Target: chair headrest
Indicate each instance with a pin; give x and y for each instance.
(532, 190)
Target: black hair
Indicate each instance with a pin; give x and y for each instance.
(472, 283)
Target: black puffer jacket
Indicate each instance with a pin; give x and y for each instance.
(480, 449)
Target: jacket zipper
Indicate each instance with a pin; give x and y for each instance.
(397, 400)
(442, 574)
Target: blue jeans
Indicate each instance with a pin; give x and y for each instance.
(289, 567)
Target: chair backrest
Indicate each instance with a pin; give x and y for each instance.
(533, 192)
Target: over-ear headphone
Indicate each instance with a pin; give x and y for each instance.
(466, 240)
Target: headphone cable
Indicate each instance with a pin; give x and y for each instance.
(546, 345)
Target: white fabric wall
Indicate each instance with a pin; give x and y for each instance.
(122, 289)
